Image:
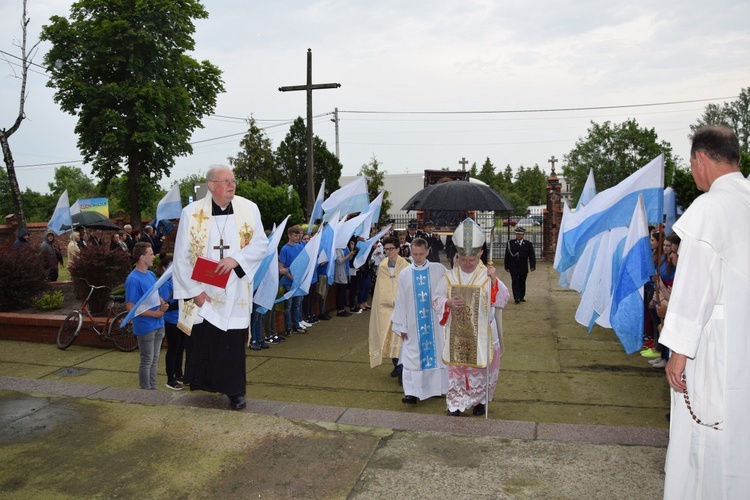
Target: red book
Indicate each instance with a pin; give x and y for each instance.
(205, 272)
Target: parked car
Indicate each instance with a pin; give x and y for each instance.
(527, 223)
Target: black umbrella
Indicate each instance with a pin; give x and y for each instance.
(458, 195)
(91, 220)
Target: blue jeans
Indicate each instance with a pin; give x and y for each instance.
(149, 345)
(256, 327)
(292, 311)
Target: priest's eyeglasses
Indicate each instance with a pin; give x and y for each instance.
(227, 182)
(388, 249)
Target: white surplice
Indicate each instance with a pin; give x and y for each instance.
(229, 307)
(416, 381)
(708, 320)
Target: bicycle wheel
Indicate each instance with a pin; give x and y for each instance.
(69, 329)
(123, 338)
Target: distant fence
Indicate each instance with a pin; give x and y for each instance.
(504, 229)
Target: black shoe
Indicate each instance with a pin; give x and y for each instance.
(523, 300)
(518, 301)
(343, 314)
(478, 409)
(263, 345)
(286, 332)
(237, 403)
(255, 346)
(299, 329)
(312, 320)
(410, 400)
(276, 339)
(356, 310)
(456, 413)
(325, 317)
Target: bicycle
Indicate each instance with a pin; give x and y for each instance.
(123, 338)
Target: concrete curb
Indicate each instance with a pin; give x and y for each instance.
(507, 429)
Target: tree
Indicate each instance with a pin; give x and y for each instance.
(121, 67)
(684, 187)
(255, 159)
(78, 184)
(614, 152)
(733, 114)
(187, 186)
(5, 133)
(473, 172)
(6, 195)
(487, 173)
(531, 185)
(117, 191)
(291, 160)
(38, 207)
(375, 181)
(274, 202)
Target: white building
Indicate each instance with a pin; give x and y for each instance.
(400, 187)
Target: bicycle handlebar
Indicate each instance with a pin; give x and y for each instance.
(92, 286)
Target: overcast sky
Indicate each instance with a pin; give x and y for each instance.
(425, 56)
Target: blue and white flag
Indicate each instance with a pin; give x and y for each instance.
(61, 216)
(374, 209)
(633, 270)
(670, 209)
(364, 252)
(589, 191)
(303, 269)
(265, 283)
(170, 206)
(613, 208)
(345, 229)
(596, 293)
(349, 199)
(317, 212)
(148, 300)
(330, 250)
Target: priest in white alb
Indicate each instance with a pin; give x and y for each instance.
(227, 229)
(707, 328)
(424, 374)
(468, 300)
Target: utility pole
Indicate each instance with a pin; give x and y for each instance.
(335, 120)
(309, 87)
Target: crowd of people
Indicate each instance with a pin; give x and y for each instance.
(665, 253)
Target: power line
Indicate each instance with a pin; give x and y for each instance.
(32, 63)
(542, 110)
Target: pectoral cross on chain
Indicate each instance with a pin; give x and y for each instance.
(220, 247)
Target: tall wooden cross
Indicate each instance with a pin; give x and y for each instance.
(553, 160)
(309, 87)
(463, 163)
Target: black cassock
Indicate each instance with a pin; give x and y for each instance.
(216, 358)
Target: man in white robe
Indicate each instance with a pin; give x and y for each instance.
(227, 229)
(424, 374)
(707, 327)
(466, 300)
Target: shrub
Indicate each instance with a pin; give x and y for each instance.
(99, 266)
(48, 301)
(22, 277)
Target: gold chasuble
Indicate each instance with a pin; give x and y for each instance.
(468, 332)
(383, 342)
